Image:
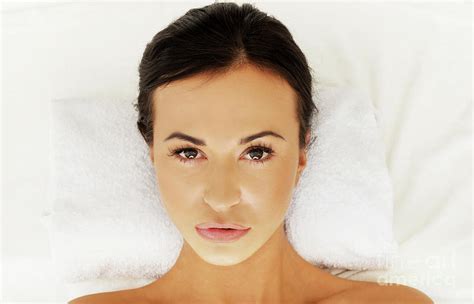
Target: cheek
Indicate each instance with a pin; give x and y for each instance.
(271, 191)
(178, 194)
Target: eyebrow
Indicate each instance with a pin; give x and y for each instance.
(244, 140)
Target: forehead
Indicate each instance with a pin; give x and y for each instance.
(241, 99)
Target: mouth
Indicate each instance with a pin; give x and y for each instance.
(222, 233)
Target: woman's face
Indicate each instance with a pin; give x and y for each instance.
(221, 179)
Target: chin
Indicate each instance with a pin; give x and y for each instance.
(224, 256)
(224, 253)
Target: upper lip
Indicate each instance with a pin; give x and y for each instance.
(217, 225)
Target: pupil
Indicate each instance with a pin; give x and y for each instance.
(258, 154)
(189, 151)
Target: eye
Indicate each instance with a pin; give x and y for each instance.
(184, 154)
(256, 152)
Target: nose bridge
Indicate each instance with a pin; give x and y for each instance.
(222, 185)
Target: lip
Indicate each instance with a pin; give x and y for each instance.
(221, 235)
(225, 225)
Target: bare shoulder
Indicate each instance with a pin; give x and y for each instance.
(112, 297)
(371, 292)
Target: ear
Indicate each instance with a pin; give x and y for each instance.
(303, 157)
(151, 154)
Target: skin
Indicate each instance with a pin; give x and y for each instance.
(222, 183)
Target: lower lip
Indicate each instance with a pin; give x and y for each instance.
(222, 235)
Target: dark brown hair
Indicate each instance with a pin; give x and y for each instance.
(212, 40)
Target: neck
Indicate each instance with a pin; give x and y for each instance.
(273, 274)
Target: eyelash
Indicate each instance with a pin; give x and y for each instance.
(266, 148)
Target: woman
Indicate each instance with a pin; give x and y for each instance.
(225, 107)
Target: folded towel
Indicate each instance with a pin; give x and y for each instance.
(108, 220)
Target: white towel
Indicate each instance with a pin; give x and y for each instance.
(108, 221)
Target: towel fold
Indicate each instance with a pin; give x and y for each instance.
(108, 220)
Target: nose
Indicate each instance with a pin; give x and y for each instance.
(222, 192)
